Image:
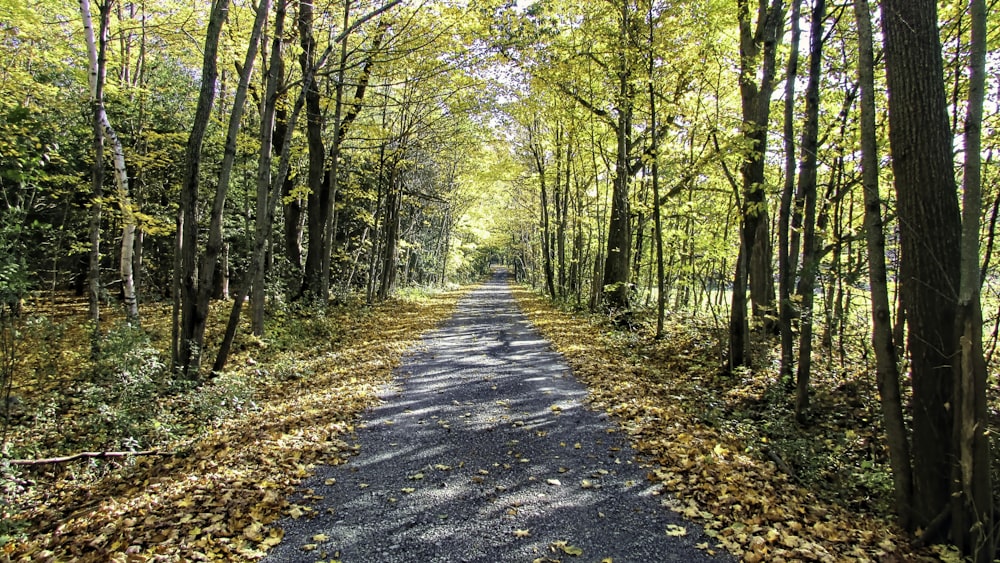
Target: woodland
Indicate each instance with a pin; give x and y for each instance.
(763, 232)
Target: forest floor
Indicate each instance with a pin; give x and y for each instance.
(240, 446)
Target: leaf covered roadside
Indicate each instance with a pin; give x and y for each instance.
(747, 505)
(218, 497)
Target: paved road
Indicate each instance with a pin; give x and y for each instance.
(484, 452)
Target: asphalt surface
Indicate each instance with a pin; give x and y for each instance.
(483, 451)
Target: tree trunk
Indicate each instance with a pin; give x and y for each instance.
(390, 227)
(538, 154)
(189, 347)
(619, 248)
(316, 175)
(259, 253)
(972, 501)
(785, 274)
(96, 55)
(929, 239)
(757, 55)
(215, 246)
(258, 293)
(807, 187)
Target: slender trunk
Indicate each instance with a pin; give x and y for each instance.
(786, 276)
(758, 48)
(972, 499)
(258, 263)
(316, 175)
(96, 55)
(619, 246)
(216, 246)
(807, 186)
(258, 293)
(390, 252)
(538, 154)
(655, 172)
(189, 347)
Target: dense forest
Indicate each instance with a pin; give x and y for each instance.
(811, 186)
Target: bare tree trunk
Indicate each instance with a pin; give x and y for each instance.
(786, 274)
(972, 501)
(538, 154)
(317, 153)
(619, 246)
(390, 252)
(758, 48)
(930, 233)
(98, 77)
(189, 347)
(258, 293)
(655, 172)
(97, 72)
(807, 187)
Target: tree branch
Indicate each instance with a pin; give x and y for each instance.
(85, 455)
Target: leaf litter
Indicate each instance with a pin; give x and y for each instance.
(747, 505)
(219, 496)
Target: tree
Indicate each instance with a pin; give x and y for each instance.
(758, 48)
(187, 344)
(930, 233)
(786, 270)
(972, 501)
(807, 192)
(886, 359)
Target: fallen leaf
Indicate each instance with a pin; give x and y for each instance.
(676, 531)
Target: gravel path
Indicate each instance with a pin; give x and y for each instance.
(484, 452)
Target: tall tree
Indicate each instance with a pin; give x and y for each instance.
(215, 245)
(97, 69)
(619, 245)
(758, 49)
(930, 233)
(972, 509)
(540, 159)
(886, 358)
(786, 270)
(807, 193)
(187, 353)
(262, 225)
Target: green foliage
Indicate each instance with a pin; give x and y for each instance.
(122, 393)
(212, 402)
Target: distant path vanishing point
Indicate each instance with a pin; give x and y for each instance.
(484, 452)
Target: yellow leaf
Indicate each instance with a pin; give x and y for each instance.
(254, 532)
(522, 533)
(320, 538)
(407, 490)
(570, 549)
(676, 531)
